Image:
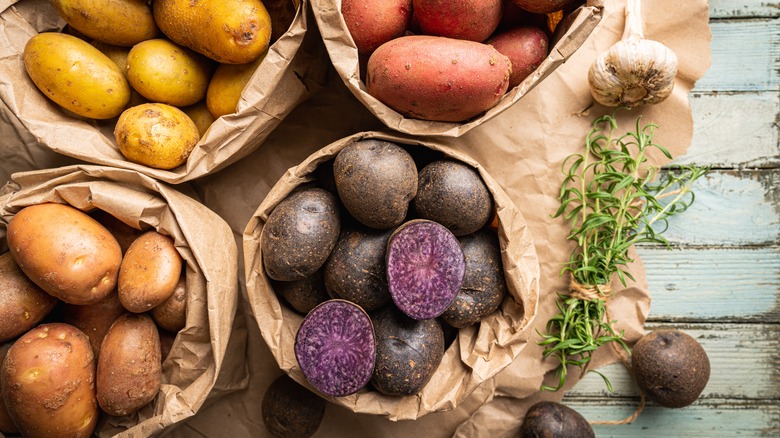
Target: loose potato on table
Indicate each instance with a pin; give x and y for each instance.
(76, 75)
(22, 303)
(118, 22)
(48, 380)
(65, 251)
(149, 272)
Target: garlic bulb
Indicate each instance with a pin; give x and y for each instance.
(635, 71)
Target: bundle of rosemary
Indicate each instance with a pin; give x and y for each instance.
(614, 199)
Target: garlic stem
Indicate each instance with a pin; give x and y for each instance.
(634, 26)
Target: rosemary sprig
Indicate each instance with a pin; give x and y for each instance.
(613, 199)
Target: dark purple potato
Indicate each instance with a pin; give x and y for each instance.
(454, 195)
(304, 294)
(290, 410)
(300, 234)
(335, 348)
(671, 367)
(425, 268)
(408, 351)
(484, 285)
(375, 180)
(356, 270)
(554, 420)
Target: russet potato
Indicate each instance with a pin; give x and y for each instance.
(149, 272)
(22, 303)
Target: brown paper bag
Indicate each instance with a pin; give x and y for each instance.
(479, 351)
(209, 251)
(573, 31)
(293, 69)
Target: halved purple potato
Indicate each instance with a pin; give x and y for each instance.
(304, 294)
(408, 351)
(453, 194)
(484, 285)
(356, 270)
(290, 410)
(335, 348)
(300, 234)
(425, 268)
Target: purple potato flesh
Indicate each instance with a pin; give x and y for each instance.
(335, 348)
(425, 268)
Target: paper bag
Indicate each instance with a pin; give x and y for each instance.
(478, 353)
(574, 30)
(293, 68)
(208, 249)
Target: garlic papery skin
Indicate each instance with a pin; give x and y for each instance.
(633, 72)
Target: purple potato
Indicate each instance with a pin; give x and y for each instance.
(454, 195)
(356, 270)
(335, 348)
(484, 285)
(408, 351)
(548, 419)
(376, 180)
(304, 294)
(300, 234)
(290, 410)
(425, 268)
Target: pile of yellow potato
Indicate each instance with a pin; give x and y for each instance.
(167, 71)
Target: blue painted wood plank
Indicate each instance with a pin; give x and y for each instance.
(743, 8)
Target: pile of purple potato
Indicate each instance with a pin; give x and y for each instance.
(387, 253)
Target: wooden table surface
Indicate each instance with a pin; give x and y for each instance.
(721, 282)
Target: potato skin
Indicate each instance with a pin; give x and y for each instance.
(149, 272)
(94, 320)
(372, 23)
(129, 370)
(525, 46)
(437, 78)
(118, 22)
(165, 72)
(542, 6)
(22, 303)
(48, 380)
(76, 75)
(227, 84)
(473, 20)
(200, 115)
(156, 135)
(171, 314)
(227, 31)
(554, 420)
(6, 423)
(65, 252)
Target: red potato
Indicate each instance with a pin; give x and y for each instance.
(48, 380)
(22, 303)
(525, 46)
(374, 22)
(473, 20)
(438, 78)
(542, 6)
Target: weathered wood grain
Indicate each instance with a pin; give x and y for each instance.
(743, 8)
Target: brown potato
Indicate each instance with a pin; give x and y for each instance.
(6, 423)
(123, 233)
(437, 78)
(118, 22)
(94, 320)
(227, 31)
(48, 380)
(129, 369)
(149, 272)
(171, 314)
(65, 252)
(22, 303)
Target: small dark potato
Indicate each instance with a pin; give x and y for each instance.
(671, 367)
(408, 352)
(129, 369)
(484, 285)
(376, 180)
(454, 195)
(6, 423)
(542, 6)
(124, 234)
(356, 270)
(290, 410)
(171, 314)
(22, 303)
(305, 294)
(554, 420)
(94, 319)
(300, 234)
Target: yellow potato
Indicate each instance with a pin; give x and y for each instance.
(226, 86)
(156, 135)
(75, 75)
(118, 22)
(149, 272)
(227, 31)
(200, 114)
(48, 379)
(65, 252)
(165, 72)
